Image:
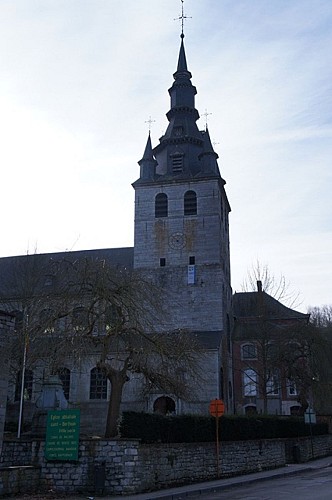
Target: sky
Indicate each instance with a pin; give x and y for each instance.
(80, 79)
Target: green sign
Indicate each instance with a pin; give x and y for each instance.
(62, 435)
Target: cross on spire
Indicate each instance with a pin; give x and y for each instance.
(150, 121)
(206, 114)
(181, 18)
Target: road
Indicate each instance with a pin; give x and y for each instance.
(307, 485)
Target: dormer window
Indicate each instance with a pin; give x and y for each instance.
(177, 163)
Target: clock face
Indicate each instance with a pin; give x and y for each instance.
(177, 240)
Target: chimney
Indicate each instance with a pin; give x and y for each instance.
(259, 286)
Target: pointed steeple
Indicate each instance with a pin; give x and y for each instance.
(208, 157)
(148, 162)
(182, 141)
(184, 152)
(182, 61)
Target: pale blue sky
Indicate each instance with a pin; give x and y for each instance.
(79, 79)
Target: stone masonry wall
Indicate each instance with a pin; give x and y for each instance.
(305, 449)
(162, 465)
(128, 467)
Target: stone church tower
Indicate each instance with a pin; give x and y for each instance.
(181, 228)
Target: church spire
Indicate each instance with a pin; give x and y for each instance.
(184, 152)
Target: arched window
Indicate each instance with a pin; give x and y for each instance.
(64, 376)
(161, 205)
(28, 379)
(164, 406)
(250, 410)
(79, 319)
(98, 384)
(113, 317)
(190, 203)
(47, 323)
(295, 410)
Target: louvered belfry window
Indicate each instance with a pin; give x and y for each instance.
(190, 203)
(161, 205)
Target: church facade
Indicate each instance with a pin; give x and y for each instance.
(181, 243)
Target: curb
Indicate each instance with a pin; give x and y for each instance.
(227, 485)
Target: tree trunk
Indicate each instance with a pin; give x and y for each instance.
(117, 379)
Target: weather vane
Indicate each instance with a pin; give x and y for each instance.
(181, 18)
(150, 121)
(206, 114)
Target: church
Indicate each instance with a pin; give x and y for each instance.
(181, 241)
(181, 244)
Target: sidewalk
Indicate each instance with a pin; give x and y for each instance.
(183, 492)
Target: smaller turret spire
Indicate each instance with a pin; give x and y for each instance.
(148, 162)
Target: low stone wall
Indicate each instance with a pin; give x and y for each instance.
(164, 465)
(108, 465)
(122, 467)
(15, 480)
(305, 449)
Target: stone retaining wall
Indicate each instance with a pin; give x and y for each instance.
(127, 466)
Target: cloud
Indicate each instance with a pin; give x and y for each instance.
(79, 79)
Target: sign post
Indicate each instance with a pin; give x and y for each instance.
(217, 409)
(62, 435)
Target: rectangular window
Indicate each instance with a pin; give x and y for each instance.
(291, 388)
(249, 383)
(191, 275)
(162, 262)
(192, 260)
(272, 385)
(249, 351)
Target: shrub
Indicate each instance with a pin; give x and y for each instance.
(151, 428)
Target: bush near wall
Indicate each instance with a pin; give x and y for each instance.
(152, 428)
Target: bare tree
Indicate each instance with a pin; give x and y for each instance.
(27, 291)
(120, 312)
(321, 357)
(276, 286)
(78, 307)
(321, 316)
(291, 350)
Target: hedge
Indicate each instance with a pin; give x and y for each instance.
(151, 427)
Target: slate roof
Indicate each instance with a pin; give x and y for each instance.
(11, 266)
(245, 305)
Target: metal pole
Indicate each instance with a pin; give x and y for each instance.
(217, 446)
(20, 417)
(311, 439)
(22, 391)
